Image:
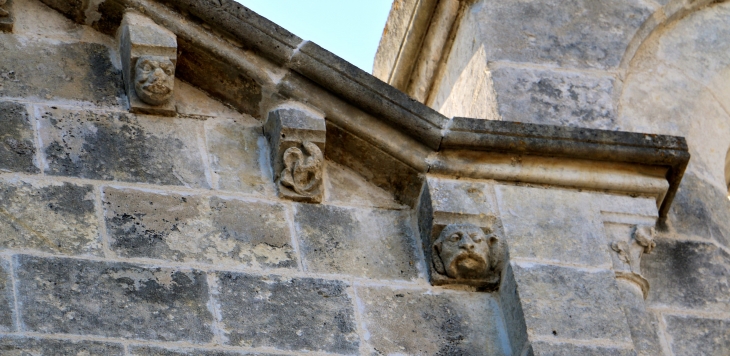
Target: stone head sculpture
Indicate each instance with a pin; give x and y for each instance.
(154, 79)
(464, 251)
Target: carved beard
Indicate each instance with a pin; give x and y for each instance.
(467, 265)
(154, 79)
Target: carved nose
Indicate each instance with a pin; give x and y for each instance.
(466, 243)
(159, 73)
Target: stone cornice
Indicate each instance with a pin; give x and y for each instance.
(386, 118)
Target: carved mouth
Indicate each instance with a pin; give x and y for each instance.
(157, 88)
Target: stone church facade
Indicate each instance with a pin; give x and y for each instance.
(184, 177)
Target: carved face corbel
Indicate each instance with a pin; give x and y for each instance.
(465, 251)
(302, 173)
(154, 79)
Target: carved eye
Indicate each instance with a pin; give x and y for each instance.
(168, 71)
(454, 237)
(476, 238)
(147, 67)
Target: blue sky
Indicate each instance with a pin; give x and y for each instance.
(350, 29)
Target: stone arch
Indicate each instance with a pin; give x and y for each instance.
(677, 82)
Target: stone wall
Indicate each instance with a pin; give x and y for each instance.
(132, 234)
(657, 67)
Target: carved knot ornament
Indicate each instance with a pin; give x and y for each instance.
(154, 79)
(302, 169)
(630, 253)
(465, 251)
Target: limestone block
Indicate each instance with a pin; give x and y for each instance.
(688, 275)
(159, 351)
(461, 233)
(414, 322)
(514, 316)
(291, 314)
(542, 348)
(48, 70)
(17, 143)
(238, 157)
(60, 295)
(570, 303)
(553, 225)
(12, 345)
(188, 228)
(6, 16)
(345, 186)
(362, 242)
(573, 33)
(643, 325)
(700, 209)
(297, 137)
(7, 317)
(555, 98)
(55, 218)
(124, 147)
(697, 336)
(149, 56)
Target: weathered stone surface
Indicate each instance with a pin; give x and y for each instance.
(555, 225)
(643, 325)
(59, 295)
(555, 98)
(238, 156)
(700, 209)
(568, 33)
(7, 319)
(290, 314)
(188, 228)
(57, 218)
(542, 348)
(378, 167)
(410, 322)
(514, 316)
(697, 336)
(570, 303)
(23, 346)
(344, 186)
(115, 146)
(75, 71)
(17, 146)
(221, 80)
(688, 274)
(159, 351)
(370, 243)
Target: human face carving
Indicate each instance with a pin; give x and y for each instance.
(462, 251)
(154, 79)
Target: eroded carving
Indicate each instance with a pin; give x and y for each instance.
(302, 172)
(630, 253)
(464, 251)
(154, 79)
(3, 12)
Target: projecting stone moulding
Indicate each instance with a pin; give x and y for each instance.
(461, 234)
(6, 16)
(297, 136)
(627, 260)
(149, 56)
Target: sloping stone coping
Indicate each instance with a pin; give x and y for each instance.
(390, 121)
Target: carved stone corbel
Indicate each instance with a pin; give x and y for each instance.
(6, 16)
(462, 238)
(149, 57)
(297, 139)
(629, 253)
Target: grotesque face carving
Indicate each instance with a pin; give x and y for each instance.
(154, 79)
(462, 251)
